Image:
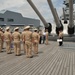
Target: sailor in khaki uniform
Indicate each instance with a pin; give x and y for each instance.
(7, 38)
(22, 36)
(1, 38)
(16, 39)
(46, 37)
(35, 41)
(28, 42)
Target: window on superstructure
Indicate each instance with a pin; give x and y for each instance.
(1, 19)
(10, 20)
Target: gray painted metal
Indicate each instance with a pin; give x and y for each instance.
(54, 13)
(71, 13)
(38, 13)
(64, 16)
(67, 1)
(18, 19)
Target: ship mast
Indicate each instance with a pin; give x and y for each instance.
(68, 14)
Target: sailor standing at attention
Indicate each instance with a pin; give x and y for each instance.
(35, 41)
(1, 39)
(28, 42)
(7, 38)
(16, 38)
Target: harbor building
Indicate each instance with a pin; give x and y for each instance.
(13, 19)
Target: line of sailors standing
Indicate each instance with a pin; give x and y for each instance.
(29, 39)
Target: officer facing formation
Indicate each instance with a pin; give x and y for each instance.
(28, 42)
(35, 41)
(44, 36)
(1, 38)
(16, 39)
(7, 38)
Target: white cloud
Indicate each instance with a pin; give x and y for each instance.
(25, 9)
(4, 4)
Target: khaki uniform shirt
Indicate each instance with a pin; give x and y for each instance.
(35, 37)
(1, 34)
(27, 36)
(7, 36)
(16, 36)
(22, 35)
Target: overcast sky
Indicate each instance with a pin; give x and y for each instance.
(24, 8)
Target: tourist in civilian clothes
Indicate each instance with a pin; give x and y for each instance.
(44, 37)
(40, 34)
(61, 37)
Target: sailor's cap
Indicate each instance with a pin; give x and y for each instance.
(7, 28)
(16, 28)
(27, 27)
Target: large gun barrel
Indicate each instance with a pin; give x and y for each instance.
(71, 24)
(38, 13)
(55, 15)
(64, 17)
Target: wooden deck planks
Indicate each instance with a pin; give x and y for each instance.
(51, 60)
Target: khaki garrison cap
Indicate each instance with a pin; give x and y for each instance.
(7, 28)
(27, 27)
(16, 28)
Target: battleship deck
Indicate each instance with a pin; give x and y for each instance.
(69, 38)
(51, 60)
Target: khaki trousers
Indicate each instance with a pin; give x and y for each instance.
(46, 41)
(28, 47)
(17, 47)
(8, 43)
(35, 45)
(24, 47)
(0, 45)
